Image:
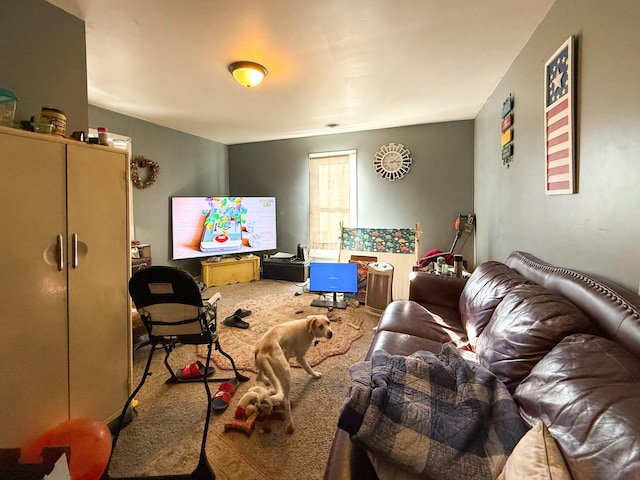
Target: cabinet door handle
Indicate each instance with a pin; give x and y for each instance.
(60, 253)
(74, 250)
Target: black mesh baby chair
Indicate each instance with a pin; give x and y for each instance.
(172, 310)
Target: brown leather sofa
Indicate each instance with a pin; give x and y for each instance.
(566, 345)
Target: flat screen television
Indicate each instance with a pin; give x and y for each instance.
(332, 278)
(217, 226)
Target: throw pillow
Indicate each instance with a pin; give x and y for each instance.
(536, 457)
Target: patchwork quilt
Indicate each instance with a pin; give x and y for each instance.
(436, 415)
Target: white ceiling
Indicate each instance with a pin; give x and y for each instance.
(364, 64)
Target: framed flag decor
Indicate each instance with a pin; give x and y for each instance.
(559, 121)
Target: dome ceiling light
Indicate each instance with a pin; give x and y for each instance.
(248, 74)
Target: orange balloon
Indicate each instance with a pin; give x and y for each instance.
(90, 442)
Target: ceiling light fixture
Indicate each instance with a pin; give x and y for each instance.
(248, 74)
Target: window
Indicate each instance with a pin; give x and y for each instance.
(332, 200)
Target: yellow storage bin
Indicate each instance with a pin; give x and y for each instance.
(230, 270)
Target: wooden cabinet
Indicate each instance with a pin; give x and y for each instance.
(64, 314)
(230, 270)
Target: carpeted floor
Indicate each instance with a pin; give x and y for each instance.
(272, 302)
(165, 436)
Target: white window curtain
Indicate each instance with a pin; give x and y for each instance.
(332, 200)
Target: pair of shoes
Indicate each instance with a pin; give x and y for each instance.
(223, 396)
(241, 312)
(194, 372)
(235, 320)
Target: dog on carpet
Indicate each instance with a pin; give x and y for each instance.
(279, 344)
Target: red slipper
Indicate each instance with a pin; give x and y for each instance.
(222, 398)
(194, 372)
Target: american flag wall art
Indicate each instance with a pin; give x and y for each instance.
(559, 121)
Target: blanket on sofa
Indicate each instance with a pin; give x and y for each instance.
(435, 415)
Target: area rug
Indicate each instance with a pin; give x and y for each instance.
(272, 302)
(165, 436)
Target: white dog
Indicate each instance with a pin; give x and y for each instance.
(279, 344)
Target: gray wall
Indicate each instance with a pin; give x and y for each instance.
(43, 54)
(43, 60)
(189, 165)
(438, 187)
(596, 230)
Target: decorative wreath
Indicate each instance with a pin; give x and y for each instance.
(144, 163)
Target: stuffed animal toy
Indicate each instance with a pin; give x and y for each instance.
(254, 404)
(256, 400)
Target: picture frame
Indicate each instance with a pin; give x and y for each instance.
(559, 120)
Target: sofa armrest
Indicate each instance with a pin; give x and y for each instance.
(431, 289)
(348, 461)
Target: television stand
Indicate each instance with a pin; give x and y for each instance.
(335, 303)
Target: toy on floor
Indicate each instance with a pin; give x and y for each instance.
(243, 425)
(256, 400)
(255, 405)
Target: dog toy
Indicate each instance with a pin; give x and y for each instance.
(255, 405)
(243, 425)
(256, 400)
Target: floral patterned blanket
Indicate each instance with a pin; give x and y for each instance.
(383, 240)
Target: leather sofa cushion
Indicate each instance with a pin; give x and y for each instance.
(432, 291)
(587, 391)
(407, 316)
(536, 456)
(398, 343)
(525, 326)
(484, 290)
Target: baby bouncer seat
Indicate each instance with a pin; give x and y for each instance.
(171, 308)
